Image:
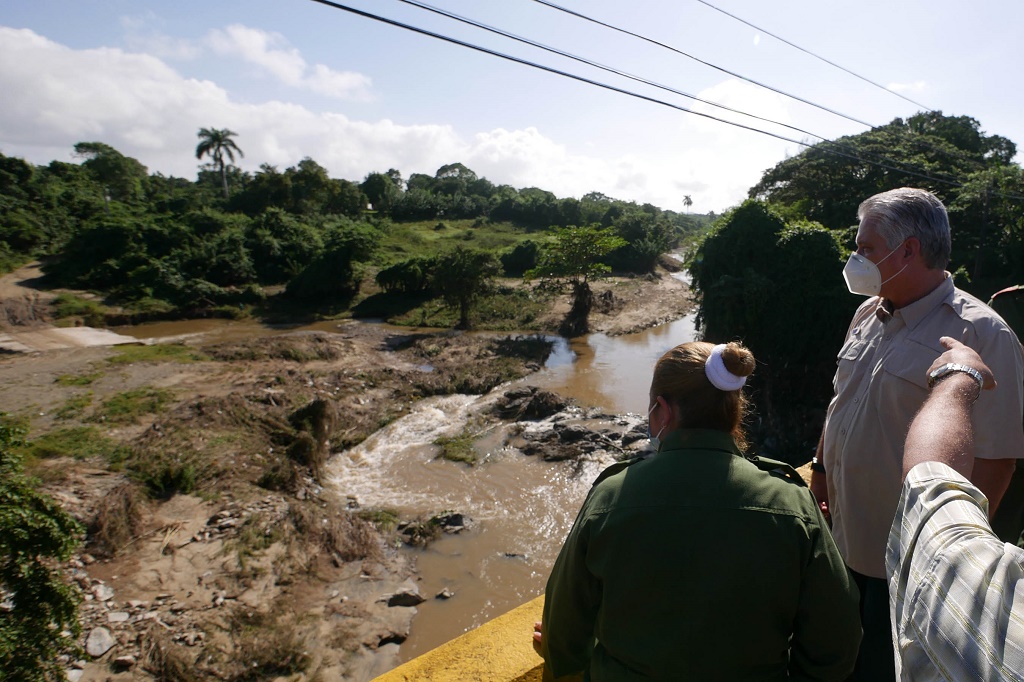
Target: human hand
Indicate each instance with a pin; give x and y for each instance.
(958, 353)
(537, 635)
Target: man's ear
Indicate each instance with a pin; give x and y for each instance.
(911, 248)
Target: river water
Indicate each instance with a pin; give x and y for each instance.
(521, 507)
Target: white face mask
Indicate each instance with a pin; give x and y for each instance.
(655, 440)
(862, 276)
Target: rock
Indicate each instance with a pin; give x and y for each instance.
(408, 594)
(88, 559)
(74, 675)
(444, 594)
(124, 663)
(99, 642)
(573, 433)
(103, 592)
(529, 402)
(117, 617)
(136, 604)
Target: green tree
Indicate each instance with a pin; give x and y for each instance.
(217, 143)
(687, 202)
(381, 190)
(574, 258)
(335, 274)
(462, 276)
(778, 287)
(122, 177)
(38, 609)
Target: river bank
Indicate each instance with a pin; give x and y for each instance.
(217, 547)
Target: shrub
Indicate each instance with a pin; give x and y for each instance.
(38, 617)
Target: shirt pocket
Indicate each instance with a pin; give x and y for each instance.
(910, 363)
(846, 360)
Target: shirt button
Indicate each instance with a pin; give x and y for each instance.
(842, 431)
(856, 400)
(888, 337)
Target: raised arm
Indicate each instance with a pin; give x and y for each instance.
(943, 431)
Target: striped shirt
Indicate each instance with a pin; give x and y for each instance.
(956, 592)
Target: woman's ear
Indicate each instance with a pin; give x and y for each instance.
(669, 414)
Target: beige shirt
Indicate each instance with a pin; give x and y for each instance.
(881, 381)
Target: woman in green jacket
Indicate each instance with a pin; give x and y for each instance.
(698, 562)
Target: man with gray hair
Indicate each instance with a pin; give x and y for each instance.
(903, 247)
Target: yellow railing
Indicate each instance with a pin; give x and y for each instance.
(500, 650)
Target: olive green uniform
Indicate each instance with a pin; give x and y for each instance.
(699, 564)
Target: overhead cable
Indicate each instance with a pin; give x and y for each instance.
(603, 67)
(709, 64)
(619, 29)
(827, 145)
(816, 56)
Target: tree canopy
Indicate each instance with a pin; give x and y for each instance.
(218, 143)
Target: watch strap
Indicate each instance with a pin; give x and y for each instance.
(951, 367)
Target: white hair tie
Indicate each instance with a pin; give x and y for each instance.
(719, 376)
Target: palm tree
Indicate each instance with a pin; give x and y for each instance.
(687, 202)
(216, 143)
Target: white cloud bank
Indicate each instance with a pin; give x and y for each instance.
(271, 52)
(56, 96)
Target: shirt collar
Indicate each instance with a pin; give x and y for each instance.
(918, 310)
(700, 439)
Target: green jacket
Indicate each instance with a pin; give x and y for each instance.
(699, 564)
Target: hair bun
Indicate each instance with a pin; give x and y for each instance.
(738, 359)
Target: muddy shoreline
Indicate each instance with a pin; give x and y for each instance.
(258, 562)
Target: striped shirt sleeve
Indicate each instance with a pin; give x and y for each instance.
(956, 592)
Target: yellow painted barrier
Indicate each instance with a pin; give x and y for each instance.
(500, 650)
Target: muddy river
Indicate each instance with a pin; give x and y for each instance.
(521, 507)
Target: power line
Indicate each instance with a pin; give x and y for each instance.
(816, 56)
(579, 15)
(701, 61)
(603, 67)
(828, 145)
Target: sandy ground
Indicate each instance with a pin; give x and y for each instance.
(184, 588)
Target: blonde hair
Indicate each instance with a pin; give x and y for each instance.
(680, 378)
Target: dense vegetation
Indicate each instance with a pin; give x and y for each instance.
(38, 608)
(769, 272)
(166, 246)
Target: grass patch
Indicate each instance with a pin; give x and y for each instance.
(78, 379)
(77, 442)
(384, 520)
(165, 474)
(128, 406)
(457, 448)
(256, 535)
(160, 352)
(74, 406)
(423, 238)
(71, 307)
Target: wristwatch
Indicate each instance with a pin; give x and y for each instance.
(951, 367)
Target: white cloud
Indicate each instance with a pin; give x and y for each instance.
(142, 34)
(55, 97)
(915, 87)
(272, 53)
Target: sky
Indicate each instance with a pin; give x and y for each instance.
(297, 78)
